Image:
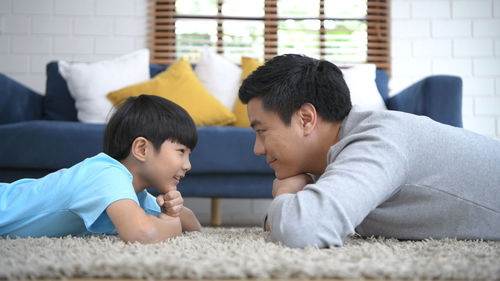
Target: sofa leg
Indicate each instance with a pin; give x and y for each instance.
(215, 219)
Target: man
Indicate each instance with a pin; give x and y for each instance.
(342, 171)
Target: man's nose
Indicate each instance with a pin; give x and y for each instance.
(258, 148)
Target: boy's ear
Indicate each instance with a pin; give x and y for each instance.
(308, 117)
(139, 147)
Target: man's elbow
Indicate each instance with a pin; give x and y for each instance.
(297, 236)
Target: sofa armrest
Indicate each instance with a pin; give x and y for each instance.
(18, 102)
(438, 97)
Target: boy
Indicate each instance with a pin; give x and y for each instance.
(384, 173)
(147, 143)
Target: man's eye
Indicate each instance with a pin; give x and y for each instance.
(182, 150)
(259, 132)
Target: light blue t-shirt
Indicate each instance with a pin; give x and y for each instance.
(69, 201)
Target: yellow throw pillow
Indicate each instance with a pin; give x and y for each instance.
(248, 65)
(180, 85)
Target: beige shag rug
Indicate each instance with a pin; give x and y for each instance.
(245, 253)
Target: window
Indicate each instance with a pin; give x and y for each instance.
(335, 30)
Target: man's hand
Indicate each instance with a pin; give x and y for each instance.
(171, 203)
(290, 185)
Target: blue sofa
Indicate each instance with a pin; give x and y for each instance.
(40, 134)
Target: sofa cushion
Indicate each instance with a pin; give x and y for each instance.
(226, 185)
(180, 85)
(18, 102)
(219, 76)
(155, 69)
(227, 149)
(44, 144)
(89, 83)
(382, 81)
(364, 94)
(248, 65)
(58, 104)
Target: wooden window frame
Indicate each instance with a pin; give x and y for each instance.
(162, 39)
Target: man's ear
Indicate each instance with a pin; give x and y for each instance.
(308, 117)
(139, 148)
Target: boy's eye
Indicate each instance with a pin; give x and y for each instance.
(182, 150)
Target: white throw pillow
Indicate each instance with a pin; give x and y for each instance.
(89, 83)
(219, 76)
(360, 79)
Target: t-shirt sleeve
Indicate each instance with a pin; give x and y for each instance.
(109, 185)
(365, 173)
(148, 203)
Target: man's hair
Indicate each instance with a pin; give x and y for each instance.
(152, 117)
(287, 82)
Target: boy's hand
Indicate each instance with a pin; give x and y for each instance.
(290, 185)
(171, 203)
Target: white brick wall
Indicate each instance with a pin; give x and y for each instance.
(430, 9)
(34, 32)
(457, 37)
(474, 9)
(486, 28)
(74, 7)
(449, 28)
(473, 48)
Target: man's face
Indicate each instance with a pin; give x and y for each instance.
(281, 144)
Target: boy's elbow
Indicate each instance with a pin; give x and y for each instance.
(142, 235)
(149, 233)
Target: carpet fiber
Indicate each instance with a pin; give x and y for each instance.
(245, 253)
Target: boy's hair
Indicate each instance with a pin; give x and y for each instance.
(286, 82)
(152, 117)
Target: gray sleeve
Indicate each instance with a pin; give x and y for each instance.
(364, 171)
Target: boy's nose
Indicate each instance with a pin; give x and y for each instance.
(187, 165)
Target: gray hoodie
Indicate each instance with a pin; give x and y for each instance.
(397, 175)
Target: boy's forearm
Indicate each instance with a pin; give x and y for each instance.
(167, 226)
(135, 225)
(189, 221)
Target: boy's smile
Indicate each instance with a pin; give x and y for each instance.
(168, 166)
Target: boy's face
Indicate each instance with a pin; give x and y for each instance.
(282, 145)
(166, 167)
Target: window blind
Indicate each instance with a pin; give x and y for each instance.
(336, 30)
